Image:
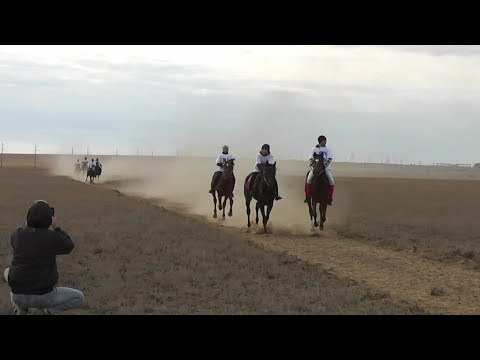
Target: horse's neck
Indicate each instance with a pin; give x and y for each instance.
(262, 186)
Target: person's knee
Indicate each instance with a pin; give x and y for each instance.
(310, 177)
(77, 298)
(80, 297)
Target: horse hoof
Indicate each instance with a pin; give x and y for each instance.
(214, 216)
(321, 226)
(220, 207)
(230, 214)
(312, 229)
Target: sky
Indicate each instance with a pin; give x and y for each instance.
(402, 104)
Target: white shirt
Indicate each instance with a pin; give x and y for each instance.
(324, 151)
(222, 158)
(263, 160)
(91, 165)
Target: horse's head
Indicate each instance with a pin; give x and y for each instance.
(318, 165)
(228, 168)
(269, 172)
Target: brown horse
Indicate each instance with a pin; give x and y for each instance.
(319, 194)
(262, 190)
(224, 188)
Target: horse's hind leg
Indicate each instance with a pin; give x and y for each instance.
(247, 203)
(257, 206)
(214, 205)
(230, 213)
(220, 202)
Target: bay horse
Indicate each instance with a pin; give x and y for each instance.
(224, 188)
(319, 195)
(263, 191)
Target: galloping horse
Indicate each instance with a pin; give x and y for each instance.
(91, 173)
(78, 169)
(84, 167)
(224, 188)
(319, 194)
(262, 190)
(98, 171)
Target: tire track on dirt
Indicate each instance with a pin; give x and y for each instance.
(402, 274)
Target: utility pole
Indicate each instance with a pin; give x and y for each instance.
(1, 157)
(137, 151)
(35, 157)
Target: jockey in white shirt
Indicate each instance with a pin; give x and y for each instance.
(221, 159)
(320, 150)
(262, 158)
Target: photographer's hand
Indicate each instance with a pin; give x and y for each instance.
(54, 223)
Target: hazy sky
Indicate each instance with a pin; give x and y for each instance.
(409, 103)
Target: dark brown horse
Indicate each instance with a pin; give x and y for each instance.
(224, 188)
(91, 173)
(262, 190)
(319, 194)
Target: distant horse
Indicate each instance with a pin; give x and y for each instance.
(91, 173)
(224, 188)
(78, 169)
(98, 171)
(84, 167)
(319, 195)
(263, 191)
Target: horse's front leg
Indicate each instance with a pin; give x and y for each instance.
(230, 213)
(323, 215)
(314, 206)
(224, 205)
(267, 216)
(214, 205)
(257, 206)
(264, 219)
(247, 203)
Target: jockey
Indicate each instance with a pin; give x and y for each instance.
(97, 163)
(77, 164)
(221, 159)
(92, 164)
(320, 150)
(262, 158)
(85, 161)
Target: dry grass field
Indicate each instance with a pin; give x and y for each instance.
(398, 239)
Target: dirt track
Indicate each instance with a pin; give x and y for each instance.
(391, 246)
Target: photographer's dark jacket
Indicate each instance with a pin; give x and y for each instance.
(34, 268)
